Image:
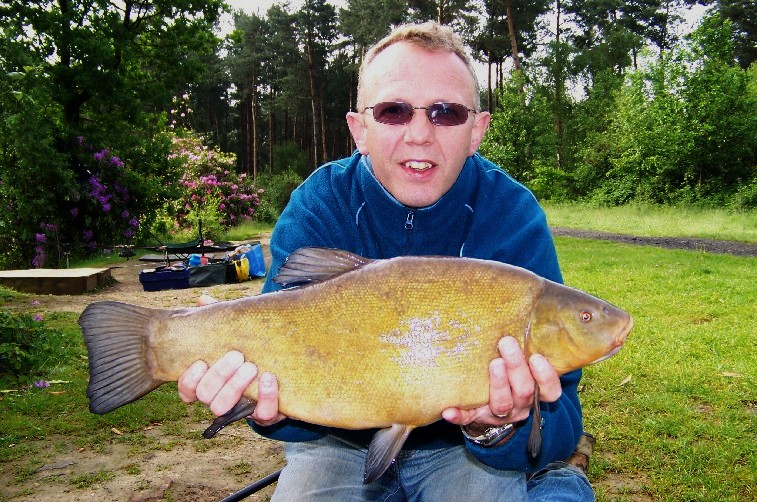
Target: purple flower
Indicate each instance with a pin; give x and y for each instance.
(38, 317)
(40, 237)
(87, 234)
(41, 384)
(35, 302)
(74, 212)
(106, 207)
(116, 161)
(134, 222)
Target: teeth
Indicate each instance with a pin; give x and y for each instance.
(418, 166)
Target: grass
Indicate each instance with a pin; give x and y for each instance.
(655, 221)
(683, 426)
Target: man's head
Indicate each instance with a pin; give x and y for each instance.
(418, 65)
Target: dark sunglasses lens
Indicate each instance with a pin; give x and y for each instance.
(393, 113)
(447, 114)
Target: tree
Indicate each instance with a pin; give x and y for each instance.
(97, 70)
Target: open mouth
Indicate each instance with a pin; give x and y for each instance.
(418, 165)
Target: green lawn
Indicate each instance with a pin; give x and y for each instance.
(675, 412)
(655, 221)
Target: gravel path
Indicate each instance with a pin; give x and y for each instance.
(689, 243)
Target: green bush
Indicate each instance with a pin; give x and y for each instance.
(278, 188)
(27, 346)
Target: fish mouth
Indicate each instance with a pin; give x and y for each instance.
(618, 342)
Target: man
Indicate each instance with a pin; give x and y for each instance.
(415, 185)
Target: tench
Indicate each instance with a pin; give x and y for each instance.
(360, 343)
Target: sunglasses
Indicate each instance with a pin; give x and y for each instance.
(440, 114)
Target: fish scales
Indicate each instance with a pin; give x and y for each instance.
(385, 344)
(410, 338)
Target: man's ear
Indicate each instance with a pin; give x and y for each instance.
(356, 123)
(480, 125)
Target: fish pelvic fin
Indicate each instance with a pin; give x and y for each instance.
(243, 408)
(311, 265)
(384, 448)
(534, 437)
(115, 334)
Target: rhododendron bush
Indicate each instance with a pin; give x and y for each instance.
(211, 191)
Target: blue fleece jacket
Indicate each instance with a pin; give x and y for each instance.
(486, 214)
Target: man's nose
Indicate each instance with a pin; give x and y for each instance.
(419, 130)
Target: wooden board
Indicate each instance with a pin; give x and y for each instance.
(47, 281)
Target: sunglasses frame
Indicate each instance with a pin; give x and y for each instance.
(429, 113)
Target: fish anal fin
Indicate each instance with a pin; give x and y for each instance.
(534, 437)
(243, 408)
(311, 265)
(384, 448)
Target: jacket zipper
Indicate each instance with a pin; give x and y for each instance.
(409, 229)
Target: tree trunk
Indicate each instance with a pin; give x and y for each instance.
(313, 96)
(559, 86)
(511, 30)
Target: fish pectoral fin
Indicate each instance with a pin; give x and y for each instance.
(534, 437)
(243, 408)
(384, 448)
(311, 265)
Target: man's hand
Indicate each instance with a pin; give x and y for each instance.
(511, 388)
(220, 386)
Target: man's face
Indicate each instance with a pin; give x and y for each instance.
(417, 162)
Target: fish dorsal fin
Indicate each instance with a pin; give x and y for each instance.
(312, 264)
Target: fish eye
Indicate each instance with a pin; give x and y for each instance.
(586, 316)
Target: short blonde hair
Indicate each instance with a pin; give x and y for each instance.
(430, 36)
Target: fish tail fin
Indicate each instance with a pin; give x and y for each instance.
(384, 448)
(114, 334)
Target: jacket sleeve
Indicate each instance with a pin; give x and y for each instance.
(562, 426)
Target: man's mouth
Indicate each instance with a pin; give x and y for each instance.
(417, 165)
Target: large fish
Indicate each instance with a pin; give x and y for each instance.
(383, 344)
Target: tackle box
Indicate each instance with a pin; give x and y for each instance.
(158, 279)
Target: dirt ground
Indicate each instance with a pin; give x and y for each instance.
(174, 468)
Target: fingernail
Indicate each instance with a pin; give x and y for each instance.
(247, 370)
(539, 362)
(509, 345)
(267, 380)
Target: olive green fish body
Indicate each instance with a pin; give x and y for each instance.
(395, 341)
(383, 344)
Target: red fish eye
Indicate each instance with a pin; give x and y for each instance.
(586, 316)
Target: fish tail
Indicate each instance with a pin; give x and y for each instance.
(114, 334)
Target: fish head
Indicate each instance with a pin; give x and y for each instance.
(573, 329)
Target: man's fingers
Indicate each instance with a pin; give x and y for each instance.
(232, 390)
(267, 408)
(205, 299)
(545, 375)
(518, 373)
(217, 375)
(189, 380)
(500, 396)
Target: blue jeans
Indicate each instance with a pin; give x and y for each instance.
(330, 469)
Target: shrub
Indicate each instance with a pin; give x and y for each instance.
(27, 346)
(210, 190)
